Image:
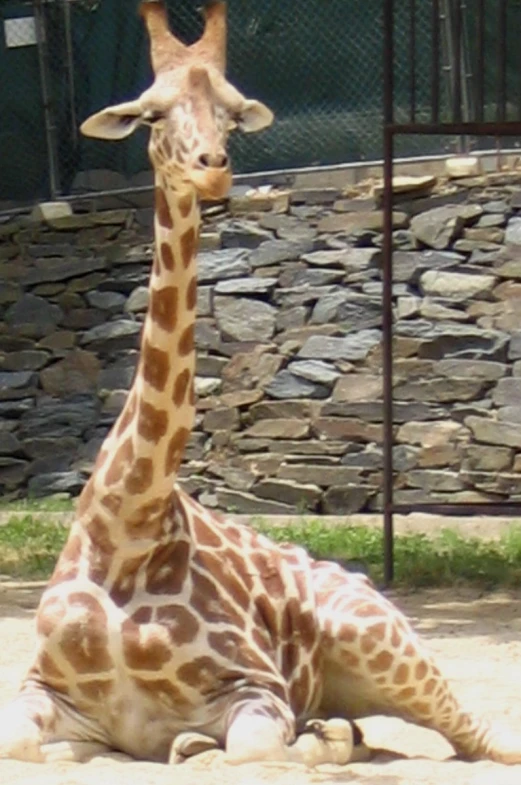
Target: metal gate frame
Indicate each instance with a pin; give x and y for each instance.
(462, 118)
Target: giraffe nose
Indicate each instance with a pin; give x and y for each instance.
(213, 160)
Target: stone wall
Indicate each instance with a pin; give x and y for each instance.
(289, 341)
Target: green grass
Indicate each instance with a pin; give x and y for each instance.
(30, 544)
(56, 503)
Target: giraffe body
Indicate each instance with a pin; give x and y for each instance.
(166, 630)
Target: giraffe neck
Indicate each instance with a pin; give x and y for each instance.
(139, 460)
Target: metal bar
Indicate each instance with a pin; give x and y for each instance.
(461, 508)
(50, 124)
(457, 29)
(502, 62)
(435, 63)
(480, 61)
(387, 279)
(507, 128)
(69, 65)
(412, 60)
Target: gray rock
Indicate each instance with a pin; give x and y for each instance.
(49, 446)
(350, 310)
(458, 286)
(246, 286)
(431, 308)
(459, 341)
(226, 263)
(58, 269)
(110, 336)
(507, 392)
(302, 496)
(408, 265)
(369, 458)
(505, 434)
(106, 301)
(444, 390)
(352, 347)
(439, 226)
(495, 206)
(290, 318)
(119, 374)
(222, 418)
(77, 373)
(315, 473)
(275, 251)
(434, 480)
(26, 360)
(514, 351)
(315, 371)
(345, 500)
(474, 369)
(33, 316)
(138, 300)
(513, 232)
(57, 418)
(243, 503)
(310, 278)
(56, 482)
(244, 319)
(9, 444)
(372, 411)
(13, 382)
(350, 259)
(13, 472)
(311, 196)
(244, 234)
(478, 457)
(286, 385)
(510, 413)
(405, 457)
(350, 222)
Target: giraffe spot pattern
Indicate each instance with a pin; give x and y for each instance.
(429, 686)
(167, 147)
(121, 460)
(203, 600)
(191, 294)
(368, 644)
(155, 366)
(139, 479)
(101, 549)
(164, 690)
(84, 637)
(86, 498)
(300, 690)
(401, 674)
(67, 567)
(205, 536)
(127, 415)
(167, 256)
(265, 615)
(421, 670)
(146, 520)
(174, 452)
(185, 204)
(229, 581)
(163, 307)
(152, 423)
(188, 242)
(382, 662)
(180, 387)
(186, 341)
(96, 690)
(141, 652)
(201, 673)
(49, 670)
(142, 615)
(124, 585)
(167, 568)
(181, 625)
(162, 209)
(113, 502)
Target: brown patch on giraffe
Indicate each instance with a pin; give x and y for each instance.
(86, 498)
(174, 451)
(368, 609)
(147, 520)
(229, 581)
(229, 645)
(191, 294)
(378, 631)
(156, 265)
(204, 534)
(429, 686)
(382, 662)
(261, 640)
(143, 653)
(123, 456)
(167, 147)
(406, 694)
(421, 670)
(188, 246)
(142, 615)
(231, 532)
(100, 460)
(396, 638)
(163, 307)
(209, 604)
(167, 256)
(421, 707)
(401, 674)
(167, 568)
(165, 691)
(162, 209)
(127, 415)
(368, 644)
(182, 626)
(113, 502)
(101, 550)
(350, 659)
(140, 477)
(290, 659)
(84, 636)
(49, 670)
(299, 691)
(155, 366)
(152, 423)
(185, 203)
(348, 633)
(235, 561)
(200, 673)
(96, 690)
(124, 585)
(307, 629)
(266, 615)
(185, 345)
(180, 387)
(268, 568)
(409, 650)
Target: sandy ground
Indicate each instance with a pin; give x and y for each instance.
(477, 639)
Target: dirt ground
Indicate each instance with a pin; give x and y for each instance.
(477, 639)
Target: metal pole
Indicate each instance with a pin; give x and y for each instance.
(50, 124)
(387, 305)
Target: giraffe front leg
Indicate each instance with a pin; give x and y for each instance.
(262, 728)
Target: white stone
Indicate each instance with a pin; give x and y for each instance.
(463, 166)
(206, 385)
(47, 211)
(458, 285)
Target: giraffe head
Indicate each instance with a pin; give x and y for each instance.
(190, 107)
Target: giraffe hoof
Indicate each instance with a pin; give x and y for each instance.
(188, 744)
(336, 729)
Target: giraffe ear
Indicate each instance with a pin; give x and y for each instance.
(114, 122)
(253, 116)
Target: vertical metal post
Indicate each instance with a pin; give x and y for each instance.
(412, 60)
(502, 62)
(480, 62)
(435, 62)
(49, 119)
(387, 304)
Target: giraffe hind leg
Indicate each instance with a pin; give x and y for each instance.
(376, 664)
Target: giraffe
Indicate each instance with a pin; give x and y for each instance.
(165, 629)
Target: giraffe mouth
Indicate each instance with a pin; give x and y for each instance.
(211, 183)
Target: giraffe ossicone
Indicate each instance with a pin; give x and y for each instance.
(166, 630)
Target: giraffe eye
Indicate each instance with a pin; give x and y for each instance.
(152, 116)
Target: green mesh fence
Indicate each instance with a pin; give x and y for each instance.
(316, 63)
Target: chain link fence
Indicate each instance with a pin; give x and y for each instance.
(316, 63)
